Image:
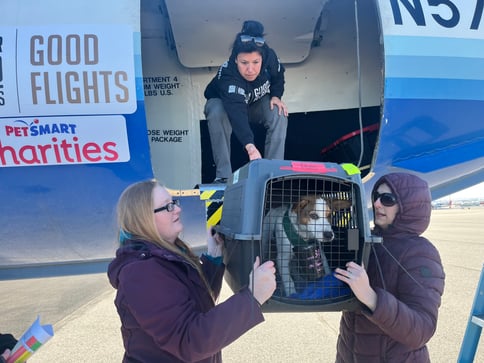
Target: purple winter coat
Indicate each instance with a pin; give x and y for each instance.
(409, 295)
(166, 312)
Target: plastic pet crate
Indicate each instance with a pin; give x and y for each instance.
(309, 218)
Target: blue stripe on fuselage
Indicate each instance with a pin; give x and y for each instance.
(428, 135)
(436, 68)
(432, 88)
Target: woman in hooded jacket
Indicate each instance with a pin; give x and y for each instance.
(400, 291)
(166, 295)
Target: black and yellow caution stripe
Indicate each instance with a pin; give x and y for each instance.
(213, 198)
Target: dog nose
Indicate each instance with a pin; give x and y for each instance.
(328, 235)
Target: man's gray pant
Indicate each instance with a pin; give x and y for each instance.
(220, 131)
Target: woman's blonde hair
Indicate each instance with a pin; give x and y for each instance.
(135, 219)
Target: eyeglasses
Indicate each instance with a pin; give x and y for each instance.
(169, 207)
(387, 199)
(259, 41)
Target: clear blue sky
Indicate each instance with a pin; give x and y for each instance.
(477, 191)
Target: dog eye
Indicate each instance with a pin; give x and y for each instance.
(314, 216)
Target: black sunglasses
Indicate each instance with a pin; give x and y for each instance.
(387, 199)
(169, 207)
(259, 41)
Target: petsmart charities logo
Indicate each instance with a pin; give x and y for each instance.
(63, 141)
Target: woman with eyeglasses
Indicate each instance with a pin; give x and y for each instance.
(246, 89)
(400, 290)
(166, 295)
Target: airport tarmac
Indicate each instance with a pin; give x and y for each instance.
(86, 325)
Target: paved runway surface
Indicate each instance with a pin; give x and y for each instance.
(86, 324)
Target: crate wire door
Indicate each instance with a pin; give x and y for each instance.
(318, 243)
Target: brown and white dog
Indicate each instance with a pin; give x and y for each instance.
(305, 220)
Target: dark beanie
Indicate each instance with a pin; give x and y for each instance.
(252, 28)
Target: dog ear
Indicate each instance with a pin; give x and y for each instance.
(300, 205)
(338, 204)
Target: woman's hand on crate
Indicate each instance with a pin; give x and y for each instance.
(215, 243)
(262, 280)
